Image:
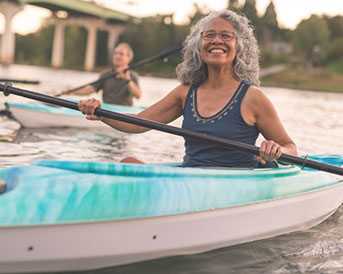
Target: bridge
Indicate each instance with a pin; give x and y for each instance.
(65, 12)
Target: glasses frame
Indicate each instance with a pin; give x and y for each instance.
(219, 34)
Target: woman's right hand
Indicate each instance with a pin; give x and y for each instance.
(87, 107)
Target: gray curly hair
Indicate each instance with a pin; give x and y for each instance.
(193, 70)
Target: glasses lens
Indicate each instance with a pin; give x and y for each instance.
(225, 35)
(210, 35)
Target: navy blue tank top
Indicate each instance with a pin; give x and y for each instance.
(227, 123)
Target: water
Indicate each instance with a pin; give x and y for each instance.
(312, 119)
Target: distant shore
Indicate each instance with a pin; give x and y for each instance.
(287, 76)
(302, 78)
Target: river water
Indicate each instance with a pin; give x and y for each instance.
(312, 119)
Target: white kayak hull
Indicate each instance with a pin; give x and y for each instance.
(34, 119)
(39, 115)
(94, 245)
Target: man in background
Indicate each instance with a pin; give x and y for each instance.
(121, 88)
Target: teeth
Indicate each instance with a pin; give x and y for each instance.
(217, 50)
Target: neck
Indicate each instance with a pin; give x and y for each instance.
(219, 77)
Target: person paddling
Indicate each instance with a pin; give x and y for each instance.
(218, 95)
(119, 89)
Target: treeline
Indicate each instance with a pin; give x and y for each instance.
(316, 41)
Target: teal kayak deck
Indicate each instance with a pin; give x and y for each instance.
(55, 192)
(36, 106)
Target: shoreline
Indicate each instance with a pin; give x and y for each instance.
(300, 88)
(302, 78)
(280, 76)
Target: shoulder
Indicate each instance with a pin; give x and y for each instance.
(258, 101)
(181, 88)
(134, 74)
(178, 94)
(180, 91)
(106, 72)
(255, 95)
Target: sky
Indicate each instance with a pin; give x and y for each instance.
(290, 12)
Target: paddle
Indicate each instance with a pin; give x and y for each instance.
(304, 162)
(32, 82)
(173, 49)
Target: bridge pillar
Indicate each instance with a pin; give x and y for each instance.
(58, 44)
(91, 48)
(7, 47)
(113, 34)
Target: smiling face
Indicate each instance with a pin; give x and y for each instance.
(217, 51)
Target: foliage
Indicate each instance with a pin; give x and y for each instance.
(335, 50)
(151, 36)
(74, 47)
(270, 57)
(336, 66)
(233, 5)
(335, 25)
(311, 39)
(249, 9)
(35, 48)
(300, 77)
(103, 58)
(270, 18)
(318, 39)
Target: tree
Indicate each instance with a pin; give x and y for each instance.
(233, 5)
(250, 11)
(75, 47)
(269, 25)
(335, 25)
(336, 50)
(152, 35)
(199, 12)
(270, 18)
(35, 48)
(311, 39)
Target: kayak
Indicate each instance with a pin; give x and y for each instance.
(40, 115)
(78, 216)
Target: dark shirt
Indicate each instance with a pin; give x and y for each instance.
(116, 90)
(227, 123)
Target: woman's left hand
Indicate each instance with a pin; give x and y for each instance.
(269, 151)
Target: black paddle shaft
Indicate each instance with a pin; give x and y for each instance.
(32, 82)
(226, 143)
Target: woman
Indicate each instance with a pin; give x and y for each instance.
(218, 96)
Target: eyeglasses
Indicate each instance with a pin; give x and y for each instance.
(223, 35)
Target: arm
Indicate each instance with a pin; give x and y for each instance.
(81, 91)
(164, 111)
(134, 89)
(132, 82)
(85, 90)
(264, 115)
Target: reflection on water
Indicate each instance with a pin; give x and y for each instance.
(312, 119)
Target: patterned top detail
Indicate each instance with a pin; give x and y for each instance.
(225, 111)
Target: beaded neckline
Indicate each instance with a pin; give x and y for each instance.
(225, 111)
